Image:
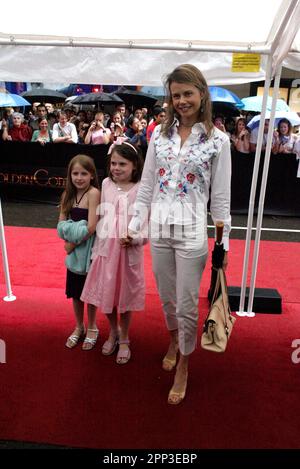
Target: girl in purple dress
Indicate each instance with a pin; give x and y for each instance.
(115, 280)
(79, 202)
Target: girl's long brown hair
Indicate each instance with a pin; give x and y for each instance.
(69, 195)
(187, 73)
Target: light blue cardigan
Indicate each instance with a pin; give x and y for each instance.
(79, 260)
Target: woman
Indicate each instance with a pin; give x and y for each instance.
(97, 133)
(187, 158)
(43, 135)
(284, 140)
(241, 137)
(19, 132)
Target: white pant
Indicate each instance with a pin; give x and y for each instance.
(178, 272)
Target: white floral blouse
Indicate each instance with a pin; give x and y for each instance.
(177, 181)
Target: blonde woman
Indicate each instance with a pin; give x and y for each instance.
(97, 133)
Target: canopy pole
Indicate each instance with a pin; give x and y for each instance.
(263, 189)
(10, 296)
(241, 311)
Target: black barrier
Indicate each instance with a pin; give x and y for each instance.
(31, 167)
(283, 187)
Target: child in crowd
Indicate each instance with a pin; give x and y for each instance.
(77, 225)
(116, 277)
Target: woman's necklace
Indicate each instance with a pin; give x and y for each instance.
(77, 202)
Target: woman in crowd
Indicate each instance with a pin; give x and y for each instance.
(241, 137)
(43, 135)
(284, 140)
(19, 132)
(97, 133)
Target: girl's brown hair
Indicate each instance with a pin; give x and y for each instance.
(187, 73)
(69, 195)
(130, 153)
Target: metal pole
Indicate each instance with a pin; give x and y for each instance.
(10, 296)
(241, 311)
(263, 190)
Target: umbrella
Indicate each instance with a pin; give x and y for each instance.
(254, 104)
(97, 98)
(222, 95)
(135, 98)
(12, 100)
(44, 95)
(217, 259)
(290, 116)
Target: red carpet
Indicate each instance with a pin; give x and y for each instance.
(246, 398)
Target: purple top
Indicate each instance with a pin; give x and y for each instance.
(78, 214)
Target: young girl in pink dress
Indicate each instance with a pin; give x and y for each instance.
(115, 281)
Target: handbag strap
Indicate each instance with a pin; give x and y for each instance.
(225, 299)
(217, 286)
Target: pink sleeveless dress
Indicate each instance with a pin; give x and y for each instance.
(116, 275)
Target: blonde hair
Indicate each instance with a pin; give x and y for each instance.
(187, 73)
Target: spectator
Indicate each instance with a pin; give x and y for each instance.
(254, 135)
(50, 108)
(144, 123)
(43, 135)
(159, 115)
(20, 132)
(70, 111)
(117, 130)
(138, 113)
(98, 133)
(219, 122)
(90, 115)
(82, 126)
(120, 109)
(284, 138)
(64, 131)
(52, 119)
(241, 137)
(41, 113)
(136, 134)
(144, 113)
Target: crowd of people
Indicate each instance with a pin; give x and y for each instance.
(44, 124)
(285, 139)
(84, 126)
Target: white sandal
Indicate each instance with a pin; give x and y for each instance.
(90, 343)
(73, 339)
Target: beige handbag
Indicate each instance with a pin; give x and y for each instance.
(219, 321)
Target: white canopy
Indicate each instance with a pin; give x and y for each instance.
(134, 43)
